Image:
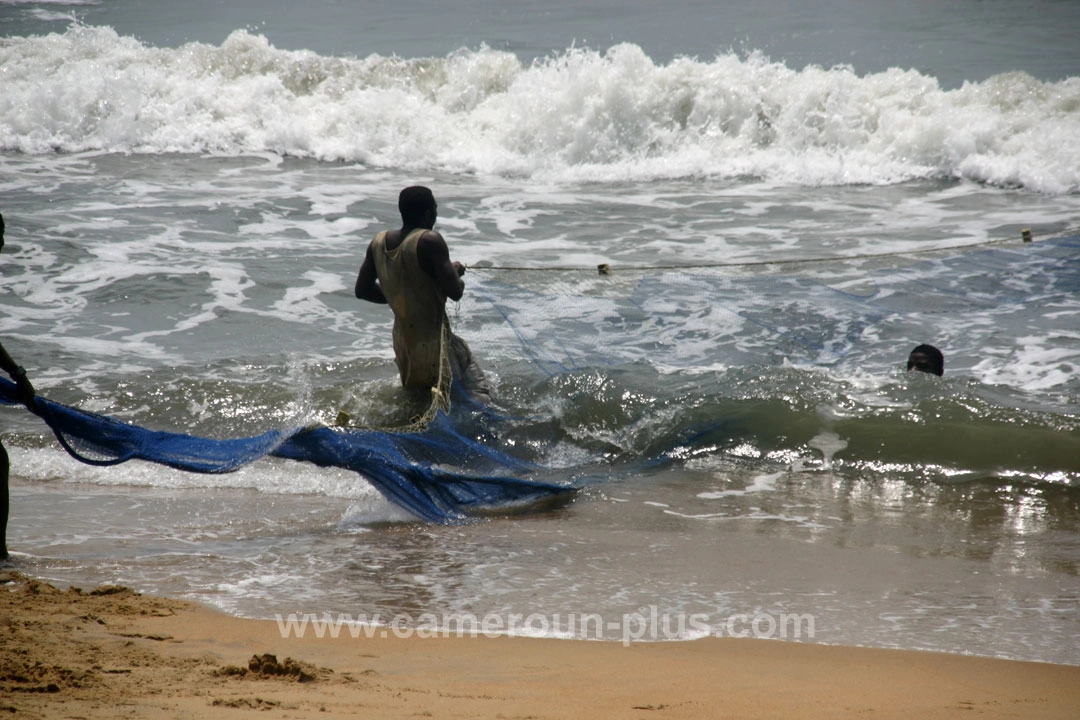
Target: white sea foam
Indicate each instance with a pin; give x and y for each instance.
(759, 483)
(1031, 364)
(580, 115)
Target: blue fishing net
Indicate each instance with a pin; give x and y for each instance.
(414, 469)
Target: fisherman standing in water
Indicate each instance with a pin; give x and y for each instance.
(411, 271)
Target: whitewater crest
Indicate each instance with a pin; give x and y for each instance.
(578, 115)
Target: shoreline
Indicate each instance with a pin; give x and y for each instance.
(111, 652)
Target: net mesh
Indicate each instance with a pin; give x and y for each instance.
(419, 467)
(562, 320)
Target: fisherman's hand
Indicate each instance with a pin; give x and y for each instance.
(25, 389)
(460, 268)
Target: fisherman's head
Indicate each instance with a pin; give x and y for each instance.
(927, 359)
(417, 206)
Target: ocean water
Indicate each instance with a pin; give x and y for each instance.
(789, 199)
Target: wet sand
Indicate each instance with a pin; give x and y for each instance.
(109, 652)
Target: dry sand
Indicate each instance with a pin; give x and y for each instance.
(113, 653)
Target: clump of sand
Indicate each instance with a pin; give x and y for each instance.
(76, 653)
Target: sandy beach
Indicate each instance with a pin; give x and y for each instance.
(110, 652)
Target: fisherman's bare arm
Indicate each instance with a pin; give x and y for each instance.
(12, 368)
(436, 256)
(367, 287)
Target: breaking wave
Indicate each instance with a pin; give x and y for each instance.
(579, 115)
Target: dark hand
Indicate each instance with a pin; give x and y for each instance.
(460, 268)
(26, 390)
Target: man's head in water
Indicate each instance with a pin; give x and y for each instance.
(927, 359)
(417, 206)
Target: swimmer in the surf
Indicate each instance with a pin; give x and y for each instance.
(411, 271)
(927, 359)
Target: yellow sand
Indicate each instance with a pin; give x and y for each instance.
(112, 653)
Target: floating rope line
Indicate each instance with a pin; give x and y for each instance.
(605, 268)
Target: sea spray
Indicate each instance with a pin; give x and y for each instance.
(575, 115)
